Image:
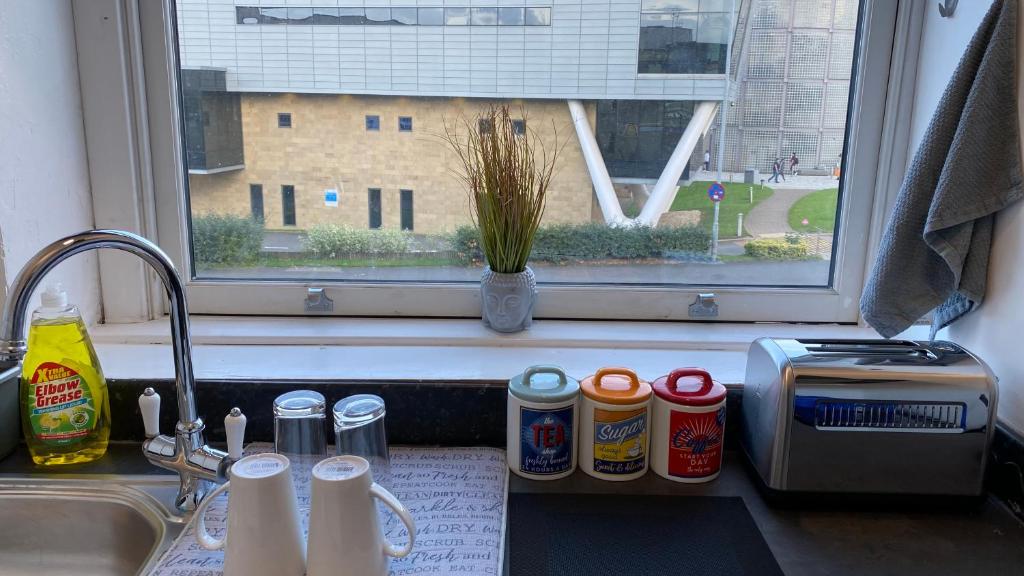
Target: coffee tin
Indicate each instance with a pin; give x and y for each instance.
(688, 426)
(614, 429)
(542, 421)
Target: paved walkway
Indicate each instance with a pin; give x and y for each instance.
(797, 182)
(771, 216)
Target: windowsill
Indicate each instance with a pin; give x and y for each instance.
(264, 348)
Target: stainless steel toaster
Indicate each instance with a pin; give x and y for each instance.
(868, 416)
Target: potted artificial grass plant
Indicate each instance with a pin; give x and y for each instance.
(507, 171)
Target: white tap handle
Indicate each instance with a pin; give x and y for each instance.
(234, 429)
(149, 405)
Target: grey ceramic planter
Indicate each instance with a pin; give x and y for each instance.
(508, 299)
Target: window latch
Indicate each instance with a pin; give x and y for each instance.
(317, 301)
(704, 306)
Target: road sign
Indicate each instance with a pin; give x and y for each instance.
(716, 192)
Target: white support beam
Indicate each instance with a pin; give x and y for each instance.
(606, 198)
(665, 189)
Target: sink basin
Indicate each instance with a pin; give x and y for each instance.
(112, 526)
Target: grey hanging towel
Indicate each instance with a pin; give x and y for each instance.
(934, 255)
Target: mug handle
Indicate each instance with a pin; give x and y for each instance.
(202, 536)
(391, 502)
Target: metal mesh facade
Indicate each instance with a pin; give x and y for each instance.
(793, 85)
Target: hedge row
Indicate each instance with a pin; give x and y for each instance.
(790, 248)
(596, 241)
(226, 240)
(333, 241)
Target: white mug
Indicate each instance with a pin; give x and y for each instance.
(345, 537)
(263, 535)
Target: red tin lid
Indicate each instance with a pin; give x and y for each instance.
(689, 386)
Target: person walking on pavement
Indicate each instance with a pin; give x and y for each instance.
(793, 162)
(707, 160)
(775, 171)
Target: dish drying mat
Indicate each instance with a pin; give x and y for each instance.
(457, 496)
(628, 535)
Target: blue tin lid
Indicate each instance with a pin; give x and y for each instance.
(543, 384)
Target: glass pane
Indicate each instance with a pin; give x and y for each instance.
(403, 16)
(378, 15)
(360, 186)
(456, 16)
(510, 16)
(351, 16)
(326, 17)
(538, 16)
(485, 16)
(431, 16)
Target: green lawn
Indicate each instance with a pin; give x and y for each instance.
(737, 199)
(819, 208)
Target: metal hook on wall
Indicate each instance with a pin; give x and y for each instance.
(947, 8)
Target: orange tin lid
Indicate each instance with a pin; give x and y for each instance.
(616, 386)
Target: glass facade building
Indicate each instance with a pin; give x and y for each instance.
(793, 86)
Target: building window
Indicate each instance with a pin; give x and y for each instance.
(373, 199)
(396, 16)
(284, 120)
(373, 123)
(406, 204)
(431, 16)
(256, 201)
(456, 16)
(676, 38)
(485, 126)
(539, 16)
(288, 205)
(485, 16)
(405, 123)
(510, 16)
(519, 127)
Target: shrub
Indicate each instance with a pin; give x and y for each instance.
(465, 243)
(332, 241)
(595, 241)
(225, 240)
(777, 249)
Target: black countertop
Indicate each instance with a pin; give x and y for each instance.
(808, 539)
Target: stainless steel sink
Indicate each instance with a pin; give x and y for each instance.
(111, 525)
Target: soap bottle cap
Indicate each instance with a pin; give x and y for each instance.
(54, 296)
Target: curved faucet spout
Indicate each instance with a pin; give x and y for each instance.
(188, 432)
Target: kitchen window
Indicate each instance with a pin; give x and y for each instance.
(635, 122)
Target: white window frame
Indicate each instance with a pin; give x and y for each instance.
(126, 56)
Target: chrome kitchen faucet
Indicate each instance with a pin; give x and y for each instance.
(186, 453)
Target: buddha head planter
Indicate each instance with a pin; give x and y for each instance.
(508, 299)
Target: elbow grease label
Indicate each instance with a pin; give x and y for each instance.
(62, 405)
(695, 443)
(546, 441)
(620, 440)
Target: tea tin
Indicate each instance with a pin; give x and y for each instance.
(688, 426)
(614, 434)
(542, 420)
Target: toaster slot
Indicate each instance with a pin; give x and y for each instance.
(889, 416)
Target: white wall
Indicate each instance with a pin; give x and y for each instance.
(995, 330)
(44, 175)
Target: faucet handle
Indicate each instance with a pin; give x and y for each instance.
(234, 429)
(149, 405)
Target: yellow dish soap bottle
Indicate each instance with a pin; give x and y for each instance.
(66, 411)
